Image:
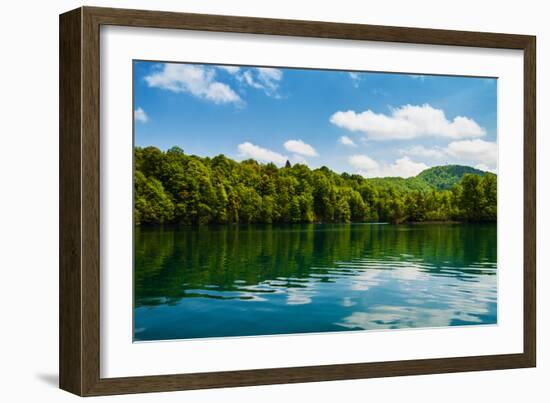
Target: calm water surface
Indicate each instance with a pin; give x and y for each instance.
(264, 279)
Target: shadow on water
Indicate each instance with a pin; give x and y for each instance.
(201, 282)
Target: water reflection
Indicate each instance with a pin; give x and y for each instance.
(253, 280)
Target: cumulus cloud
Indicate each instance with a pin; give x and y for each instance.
(263, 78)
(363, 163)
(421, 151)
(477, 150)
(347, 141)
(268, 74)
(407, 122)
(484, 167)
(140, 116)
(196, 80)
(471, 152)
(249, 150)
(403, 167)
(230, 69)
(248, 78)
(301, 148)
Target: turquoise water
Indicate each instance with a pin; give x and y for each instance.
(267, 279)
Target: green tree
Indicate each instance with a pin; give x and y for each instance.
(489, 188)
(172, 187)
(472, 198)
(152, 204)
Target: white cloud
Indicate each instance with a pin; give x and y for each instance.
(469, 152)
(230, 69)
(486, 168)
(402, 167)
(140, 116)
(193, 79)
(355, 78)
(421, 151)
(301, 148)
(263, 78)
(484, 152)
(249, 150)
(248, 78)
(363, 163)
(347, 141)
(298, 159)
(267, 74)
(407, 122)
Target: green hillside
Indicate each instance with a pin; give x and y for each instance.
(445, 177)
(439, 178)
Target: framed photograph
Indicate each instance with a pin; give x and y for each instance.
(249, 201)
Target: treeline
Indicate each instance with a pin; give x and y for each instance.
(172, 187)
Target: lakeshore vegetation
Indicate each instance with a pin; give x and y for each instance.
(172, 187)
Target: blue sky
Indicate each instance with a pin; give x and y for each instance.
(373, 124)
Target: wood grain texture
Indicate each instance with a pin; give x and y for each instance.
(70, 274)
(80, 200)
(90, 202)
(315, 29)
(530, 202)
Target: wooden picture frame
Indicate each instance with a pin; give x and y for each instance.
(79, 346)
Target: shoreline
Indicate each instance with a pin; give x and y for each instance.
(232, 225)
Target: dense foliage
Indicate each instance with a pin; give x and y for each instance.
(172, 187)
(444, 177)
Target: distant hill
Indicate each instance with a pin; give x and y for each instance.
(439, 177)
(444, 177)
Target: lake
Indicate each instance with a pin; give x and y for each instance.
(281, 279)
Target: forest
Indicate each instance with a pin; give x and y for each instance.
(171, 187)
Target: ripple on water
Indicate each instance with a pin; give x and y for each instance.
(304, 280)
